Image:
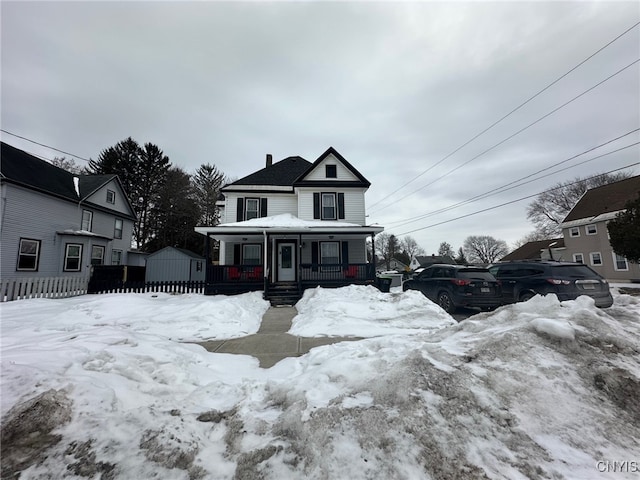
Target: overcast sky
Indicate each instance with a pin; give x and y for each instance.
(394, 87)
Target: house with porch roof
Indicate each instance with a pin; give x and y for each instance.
(290, 226)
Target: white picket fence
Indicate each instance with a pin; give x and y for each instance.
(50, 287)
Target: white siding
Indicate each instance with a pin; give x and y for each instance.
(354, 210)
(100, 198)
(277, 204)
(319, 173)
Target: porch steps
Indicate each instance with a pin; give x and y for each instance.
(283, 293)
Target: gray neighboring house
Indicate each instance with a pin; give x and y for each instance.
(54, 223)
(552, 249)
(585, 229)
(175, 264)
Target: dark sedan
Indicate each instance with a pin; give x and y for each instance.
(454, 286)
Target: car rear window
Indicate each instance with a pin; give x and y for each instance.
(475, 274)
(575, 271)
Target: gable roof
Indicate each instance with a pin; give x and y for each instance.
(282, 173)
(183, 251)
(608, 198)
(362, 182)
(531, 250)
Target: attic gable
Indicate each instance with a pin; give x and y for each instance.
(323, 173)
(608, 198)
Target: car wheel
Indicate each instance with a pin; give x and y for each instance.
(444, 300)
(526, 296)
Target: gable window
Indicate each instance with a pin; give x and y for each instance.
(252, 206)
(116, 257)
(111, 197)
(620, 263)
(330, 254)
(578, 258)
(73, 257)
(596, 258)
(97, 255)
(328, 206)
(87, 219)
(574, 231)
(251, 254)
(28, 255)
(331, 171)
(117, 230)
(591, 229)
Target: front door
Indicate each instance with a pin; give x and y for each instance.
(286, 262)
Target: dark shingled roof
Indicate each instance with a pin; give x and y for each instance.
(604, 199)
(282, 173)
(24, 169)
(531, 250)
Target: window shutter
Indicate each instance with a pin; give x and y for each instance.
(316, 205)
(315, 254)
(263, 207)
(341, 205)
(345, 254)
(236, 253)
(240, 210)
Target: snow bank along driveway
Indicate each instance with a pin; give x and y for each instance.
(106, 387)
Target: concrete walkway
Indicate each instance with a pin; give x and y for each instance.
(271, 344)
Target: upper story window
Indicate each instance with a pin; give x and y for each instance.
(331, 171)
(248, 208)
(574, 231)
(117, 230)
(111, 197)
(252, 208)
(28, 255)
(329, 206)
(87, 219)
(591, 229)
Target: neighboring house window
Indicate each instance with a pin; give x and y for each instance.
(73, 257)
(331, 171)
(330, 254)
(328, 206)
(252, 208)
(596, 258)
(111, 197)
(117, 231)
(591, 230)
(574, 231)
(28, 255)
(251, 254)
(87, 219)
(620, 262)
(116, 257)
(578, 257)
(97, 255)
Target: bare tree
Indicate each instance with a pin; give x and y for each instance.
(69, 165)
(484, 249)
(409, 245)
(550, 208)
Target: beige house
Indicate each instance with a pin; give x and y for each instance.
(585, 230)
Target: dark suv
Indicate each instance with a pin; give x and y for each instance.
(522, 280)
(453, 286)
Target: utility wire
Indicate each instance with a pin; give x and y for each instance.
(516, 133)
(43, 145)
(513, 201)
(516, 183)
(508, 114)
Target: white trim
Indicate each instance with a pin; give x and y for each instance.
(593, 264)
(614, 255)
(587, 220)
(249, 188)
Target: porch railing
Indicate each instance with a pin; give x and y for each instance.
(353, 272)
(235, 274)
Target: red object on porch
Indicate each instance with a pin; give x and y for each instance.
(234, 273)
(352, 271)
(256, 273)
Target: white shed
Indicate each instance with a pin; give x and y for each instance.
(175, 264)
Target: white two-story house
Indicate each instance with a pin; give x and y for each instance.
(290, 226)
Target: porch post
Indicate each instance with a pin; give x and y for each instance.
(373, 254)
(207, 256)
(265, 261)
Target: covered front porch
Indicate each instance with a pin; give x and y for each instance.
(283, 261)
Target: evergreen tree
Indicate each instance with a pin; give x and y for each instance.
(624, 232)
(207, 182)
(460, 258)
(445, 250)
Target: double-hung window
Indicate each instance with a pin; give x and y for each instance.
(596, 258)
(116, 257)
(87, 218)
(591, 229)
(620, 262)
(574, 231)
(252, 208)
(329, 206)
(578, 258)
(111, 197)
(330, 254)
(117, 230)
(97, 255)
(251, 254)
(73, 257)
(28, 255)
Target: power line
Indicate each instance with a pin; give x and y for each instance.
(516, 133)
(508, 114)
(43, 145)
(516, 184)
(513, 201)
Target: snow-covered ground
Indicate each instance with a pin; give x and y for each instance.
(107, 387)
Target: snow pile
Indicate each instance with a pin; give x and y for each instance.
(540, 389)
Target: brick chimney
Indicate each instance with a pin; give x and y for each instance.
(269, 160)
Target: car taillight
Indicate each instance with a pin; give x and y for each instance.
(556, 281)
(460, 282)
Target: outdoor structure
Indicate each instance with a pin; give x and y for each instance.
(394, 265)
(421, 261)
(290, 226)
(175, 264)
(585, 229)
(552, 249)
(57, 224)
